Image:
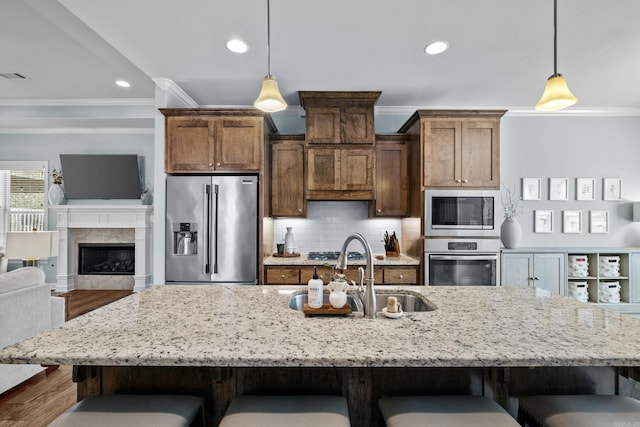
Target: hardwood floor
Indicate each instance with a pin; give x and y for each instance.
(39, 400)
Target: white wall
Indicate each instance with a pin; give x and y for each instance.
(572, 147)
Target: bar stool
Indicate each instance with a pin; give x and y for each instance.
(287, 411)
(578, 410)
(444, 411)
(110, 410)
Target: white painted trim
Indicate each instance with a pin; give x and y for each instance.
(71, 102)
(78, 131)
(172, 88)
(517, 111)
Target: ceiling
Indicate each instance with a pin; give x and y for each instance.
(501, 51)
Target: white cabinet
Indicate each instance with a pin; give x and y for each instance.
(541, 270)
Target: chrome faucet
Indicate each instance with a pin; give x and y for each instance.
(370, 295)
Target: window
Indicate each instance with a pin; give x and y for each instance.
(22, 197)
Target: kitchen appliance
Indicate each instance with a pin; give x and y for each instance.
(333, 256)
(212, 230)
(462, 262)
(463, 213)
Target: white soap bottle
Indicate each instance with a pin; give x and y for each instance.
(315, 290)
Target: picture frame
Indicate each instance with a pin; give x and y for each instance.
(598, 221)
(611, 189)
(572, 221)
(543, 221)
(531, 189)
(585, 188)
(558, 188)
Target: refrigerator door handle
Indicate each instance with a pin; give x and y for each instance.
(206, 262)
(215, 231)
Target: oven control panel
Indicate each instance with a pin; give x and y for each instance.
(462, 246)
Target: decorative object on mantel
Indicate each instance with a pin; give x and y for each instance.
(510, 230)
(56, 193)
(146, 197)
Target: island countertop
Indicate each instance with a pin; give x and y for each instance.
(252, 326)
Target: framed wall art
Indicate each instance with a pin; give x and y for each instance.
(611, 189)
(585, 188)
(572, 221)
(598, 221)
(531, 189)
(543, 221)
(558, 188)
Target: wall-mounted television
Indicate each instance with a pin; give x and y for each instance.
(101, 176)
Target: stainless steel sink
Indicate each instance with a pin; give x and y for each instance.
(300, 298)
(411, 301)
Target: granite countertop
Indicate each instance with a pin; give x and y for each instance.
(400, 260)
(246, 326)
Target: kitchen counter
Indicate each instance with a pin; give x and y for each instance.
(252, 326)
(400, 260)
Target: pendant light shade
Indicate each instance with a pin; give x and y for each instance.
(556, 94)
(269, 99)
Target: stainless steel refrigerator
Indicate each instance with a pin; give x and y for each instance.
(212, 230)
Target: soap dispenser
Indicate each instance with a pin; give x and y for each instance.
(314, 290)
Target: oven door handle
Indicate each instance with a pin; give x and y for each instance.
(464, 257)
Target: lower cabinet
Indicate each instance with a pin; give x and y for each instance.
(540, 270)
(300, 275)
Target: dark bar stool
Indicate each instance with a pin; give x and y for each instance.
(444, 411)
(578, 410)
(146, 410)
(287, 411)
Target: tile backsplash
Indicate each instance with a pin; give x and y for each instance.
(328, 224)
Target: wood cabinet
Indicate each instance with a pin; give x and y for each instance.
(287, 176)
(205, 140)
(541, 270)
(391, 178)
(339, 173)
(339, 117)
(457, 148)
(300, 275)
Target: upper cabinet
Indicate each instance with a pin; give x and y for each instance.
(220, 140)
(392, 180)
(457, 148)
(287, 175)
(339, 173)
(339, 117)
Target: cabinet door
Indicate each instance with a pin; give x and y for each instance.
(323, 125)
(634, 277)
(549, 272)
(401, 276)
(188, 145)
(323, 169)
(356, 169)
(356, 125)
(238, 144)
(287, 179)
(391, 180)
(517, 269)
(480, 154)
(441, 144)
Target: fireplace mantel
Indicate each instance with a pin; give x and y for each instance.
(137, 217)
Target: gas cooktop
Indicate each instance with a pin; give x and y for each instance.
(333, 256)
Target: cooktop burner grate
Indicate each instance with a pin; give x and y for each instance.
(333, 256)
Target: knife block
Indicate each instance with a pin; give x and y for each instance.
(396, 251)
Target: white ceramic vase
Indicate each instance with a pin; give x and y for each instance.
(288, 241)
(510, 233)
(56, 195)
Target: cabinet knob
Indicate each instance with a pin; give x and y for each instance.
(218, 164)
(299, 209)
(282, 277)
(379, 210)
(465, 180)
(402, 276)
(210, 164)
(458, 181)
(535, 278)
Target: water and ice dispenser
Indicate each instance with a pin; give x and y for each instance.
(185, 238)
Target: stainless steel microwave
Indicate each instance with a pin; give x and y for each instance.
(461, 213)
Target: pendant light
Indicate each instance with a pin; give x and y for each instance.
(269, 99)
(556, 94)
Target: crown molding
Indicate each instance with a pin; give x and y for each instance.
(77, 102)
(519, 111)
(176, 91)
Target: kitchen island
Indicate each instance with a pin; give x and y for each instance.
(224, 341)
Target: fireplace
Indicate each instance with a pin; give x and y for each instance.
(106, 258)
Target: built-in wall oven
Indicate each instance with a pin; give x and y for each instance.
(462, 262)
(461, 213)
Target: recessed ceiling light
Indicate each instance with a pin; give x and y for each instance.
(237, 46)
(123, 83)
(436, 47)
